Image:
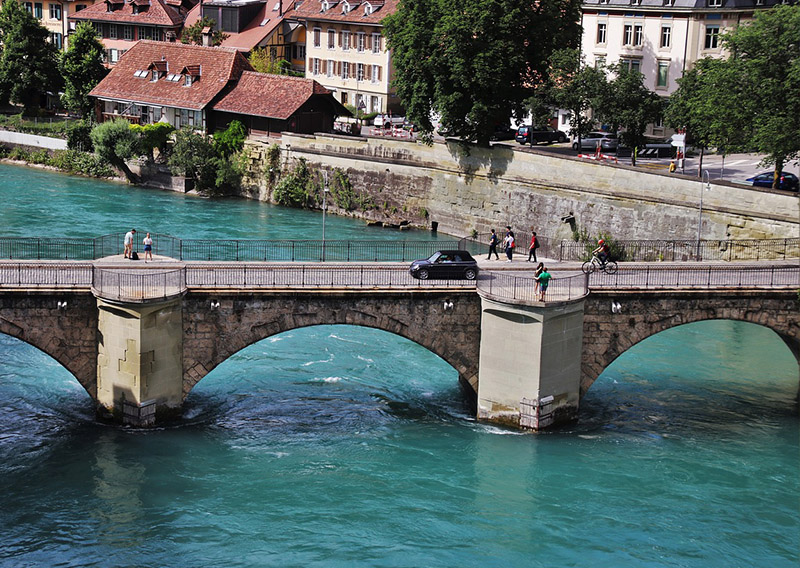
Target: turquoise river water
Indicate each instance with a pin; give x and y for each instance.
(344, 446)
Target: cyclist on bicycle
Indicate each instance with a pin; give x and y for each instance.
(601, 252)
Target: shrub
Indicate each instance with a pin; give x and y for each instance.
(296, 189)
(79, 136)
(77, 162)
(231, 140)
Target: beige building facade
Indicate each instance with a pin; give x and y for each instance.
(662, 39)
(346, 52)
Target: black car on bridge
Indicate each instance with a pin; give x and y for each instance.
(446, 265)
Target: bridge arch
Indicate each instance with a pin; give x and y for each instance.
(447, 323)
(607, 332)
(62, 325)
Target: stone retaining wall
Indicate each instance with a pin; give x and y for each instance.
(464, 188)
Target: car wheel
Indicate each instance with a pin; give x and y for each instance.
(470, 274)
(423, 274)
(574, 145)
(562, 139)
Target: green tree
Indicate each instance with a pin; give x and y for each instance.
(575, 87)
(628, 105)
(231, 140)
(28, 60)
(713, 105)
(475, 62)
(193, 156)
(766, 53)
(263, 62)
(82, 68)
(152, 136)
(115, 142)
(194, 33)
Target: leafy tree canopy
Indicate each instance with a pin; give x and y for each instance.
(475, 62)
(194, 33)
(28, 60)
(115, 142)
(264, 62)
(575, 87)
(766, 54)
(82, 68)
(628, 105)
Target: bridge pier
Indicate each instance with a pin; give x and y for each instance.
(530, 352)
(140, 360)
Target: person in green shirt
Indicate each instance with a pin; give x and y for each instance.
(543, 279)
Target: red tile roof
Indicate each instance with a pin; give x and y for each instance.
(272, 96)
(217, 65)
(256, 31)
(158, 13)
(312, 10)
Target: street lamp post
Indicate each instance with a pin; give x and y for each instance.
(325, 192)
(705, 184)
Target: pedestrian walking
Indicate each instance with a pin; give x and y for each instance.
(128, 242)
(148, 247)
(508, 244)
(533, 246)
(493, 241)
(544, 282)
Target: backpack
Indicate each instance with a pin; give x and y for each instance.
(134, 255)
(536, 242)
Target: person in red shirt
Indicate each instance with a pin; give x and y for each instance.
(533, 246)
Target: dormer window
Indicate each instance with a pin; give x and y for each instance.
(154, 75)
(346, 7)
(368, 9)
(326, 6)
(187, 80)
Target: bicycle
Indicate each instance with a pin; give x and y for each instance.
(609, 266)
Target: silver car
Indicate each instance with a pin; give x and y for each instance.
(608, 142)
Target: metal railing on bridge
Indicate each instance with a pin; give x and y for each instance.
(254, 250)
(526, 289)
(651, 250)
(228, 250)
(343, 276)
(138, 285)
(692, 276)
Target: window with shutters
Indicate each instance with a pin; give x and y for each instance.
(315, 70)
(345, 40)
(360, 72)
(376, 73)
(331, 39)
(345, 70)
(376, 43)
(361, 41)
(331, 68)
(317, 37)
(55, 11)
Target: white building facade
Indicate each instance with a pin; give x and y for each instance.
(661, 39)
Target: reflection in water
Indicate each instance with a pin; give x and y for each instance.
(119, 513)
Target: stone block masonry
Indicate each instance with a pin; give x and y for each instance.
(465, 188)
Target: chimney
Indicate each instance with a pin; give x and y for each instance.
(207, 37)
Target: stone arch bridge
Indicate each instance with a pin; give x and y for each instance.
(150, 352)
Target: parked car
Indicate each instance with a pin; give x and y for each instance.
(446, 264)
(503, 132)
(536, 135)
(608, 142)
(786, 181)
(387, 120)
(410, 126)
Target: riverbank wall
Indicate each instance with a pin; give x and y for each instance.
(463, 188)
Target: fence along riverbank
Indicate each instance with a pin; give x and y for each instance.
(251, 250)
